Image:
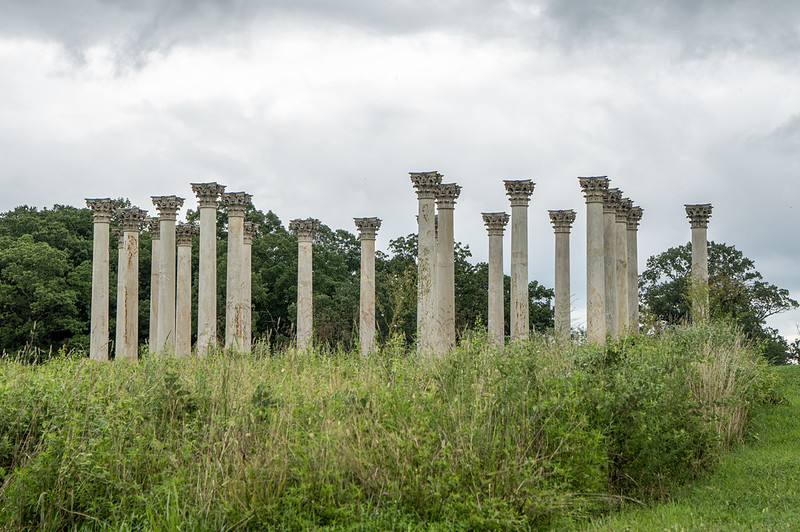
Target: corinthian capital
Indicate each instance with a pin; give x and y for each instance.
(101, 208)
(154, 227)
(611, 200)
(304, 228)
(426, 183)
(562, 220)
(131, 218)
(367, 227)
(594, 188)
(167, 206)
(699, 215)
(446, 195)
(624, 208)
(250, 230)
(207, 193)
(235, 203)
(184, 233)
(634, 217)
(519, 191)
(495, 222)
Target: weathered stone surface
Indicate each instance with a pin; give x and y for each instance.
(207, 198)
(98, 340)
(153, 226)
(594, 191)
(367, 230)
(250, 231)
(235, 204)
(519, 193)
(495, 227)
(699, 215)
(120, 319)
(634, 217)
(131, 220)
(167, 207)
(562, 221)
(184, 236)
(610, 205)
(305, 229)
(445, 268)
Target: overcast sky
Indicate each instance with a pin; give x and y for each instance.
(321, 108)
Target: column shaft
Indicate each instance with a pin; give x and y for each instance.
(305, 293)
(367, 299)
(699, 215)
(120, 318)
(98, 341)
(207, 281)
(166, 287)
(445, 268)
(155, 267)
(426, 305)
(519, 193)
(130, 296)
(234, 318)
(495, 225)
(634, 216)
(562, 223)
(610, 260)
(594, 189)
(622, 322)
(183, 301)
(247, 293)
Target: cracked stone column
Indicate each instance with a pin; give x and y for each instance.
(207, 196)
(519, 195)
(622, 315)
(562, 224)
(495, 226)
(250, 230)
(130, 220)
(594, 189)
(699, 215)
(117, 232)
(367, 231)
(446, 197)
(304, 229)
(168, 207)
(98, 343)
(611, 201)
(235, 204)
(155, 265)
(634, 217)
(426, 185)
(184, 234)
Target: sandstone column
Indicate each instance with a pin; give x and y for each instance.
(250, 230)
(304, 229)
(611, 201)
(446, 197)
(622, 316)
(594, 191)
(207, 196)
(130, 222)
(519, 194)
(699, 215)
(235, 204)
(117, 232)
(98, 343)
(634, 216)
(184, 234)
(167, 211)
(155, 266)
(562, 223)
(495, 226)
(367, 230)
(426, 185)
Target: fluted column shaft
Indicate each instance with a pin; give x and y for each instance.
(562, 223)
(445, 266)
(495, 226)
(250, 229)
(98, 340)
(367, 229)
(594, 190)
(610, 204)
(634, 216)
(621, 233)
(426, 185)
(699, 216)
(235, 204)
(305, 229)
(207, 196)
(183, 300)
(153, 226)
(168, 210)
(130, 223)
(519, 193)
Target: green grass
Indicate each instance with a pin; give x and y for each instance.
(756, 487)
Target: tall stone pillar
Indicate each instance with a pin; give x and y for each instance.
(623, 317)
(519, 194)
(98, 342)
(304, 229)
(130, 223)
(610, 205)
(367, 230)
(446, 197)
(207, 196)
(235, 204)
(699, 215)
(184, 234)
(426, 185)
(117, 232)
(594, 189)
(562, 224)
(153, 225)
(250, 230)
(168, 207)
(634, 217)
(495, 226)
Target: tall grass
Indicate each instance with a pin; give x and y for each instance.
(528, 436)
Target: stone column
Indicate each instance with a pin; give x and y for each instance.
(622, 315)
(117, 232)
(130, 222)
(98, 343)
(495, 226)
(562, 223)
(155, 265)
(446, 197)
(304, 229)
(184, 234)
(699, 215)
(426, 185)
(519, 194)
(611, 201)
(235, 204)
(634, 216)
(250, 230)
(367, 230)
(168, 207)
(594, 189)
(207, 196)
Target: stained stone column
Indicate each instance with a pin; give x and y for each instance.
(446, 197)
(250, 230)
(98, 342)
(367, 230)
(207, 196)
(519, 194)
(120, 318)
(622, 316)
(634, 217)
(562, 224)
(495, 226)
(168, 207)
(699, 215)
(610, 204)
(130, 222)
(304, 229)
(155, 265)
(426, 185)
(235, 204)
(184, 234)
(594, 189)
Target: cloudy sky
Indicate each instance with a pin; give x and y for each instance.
(321, 108)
